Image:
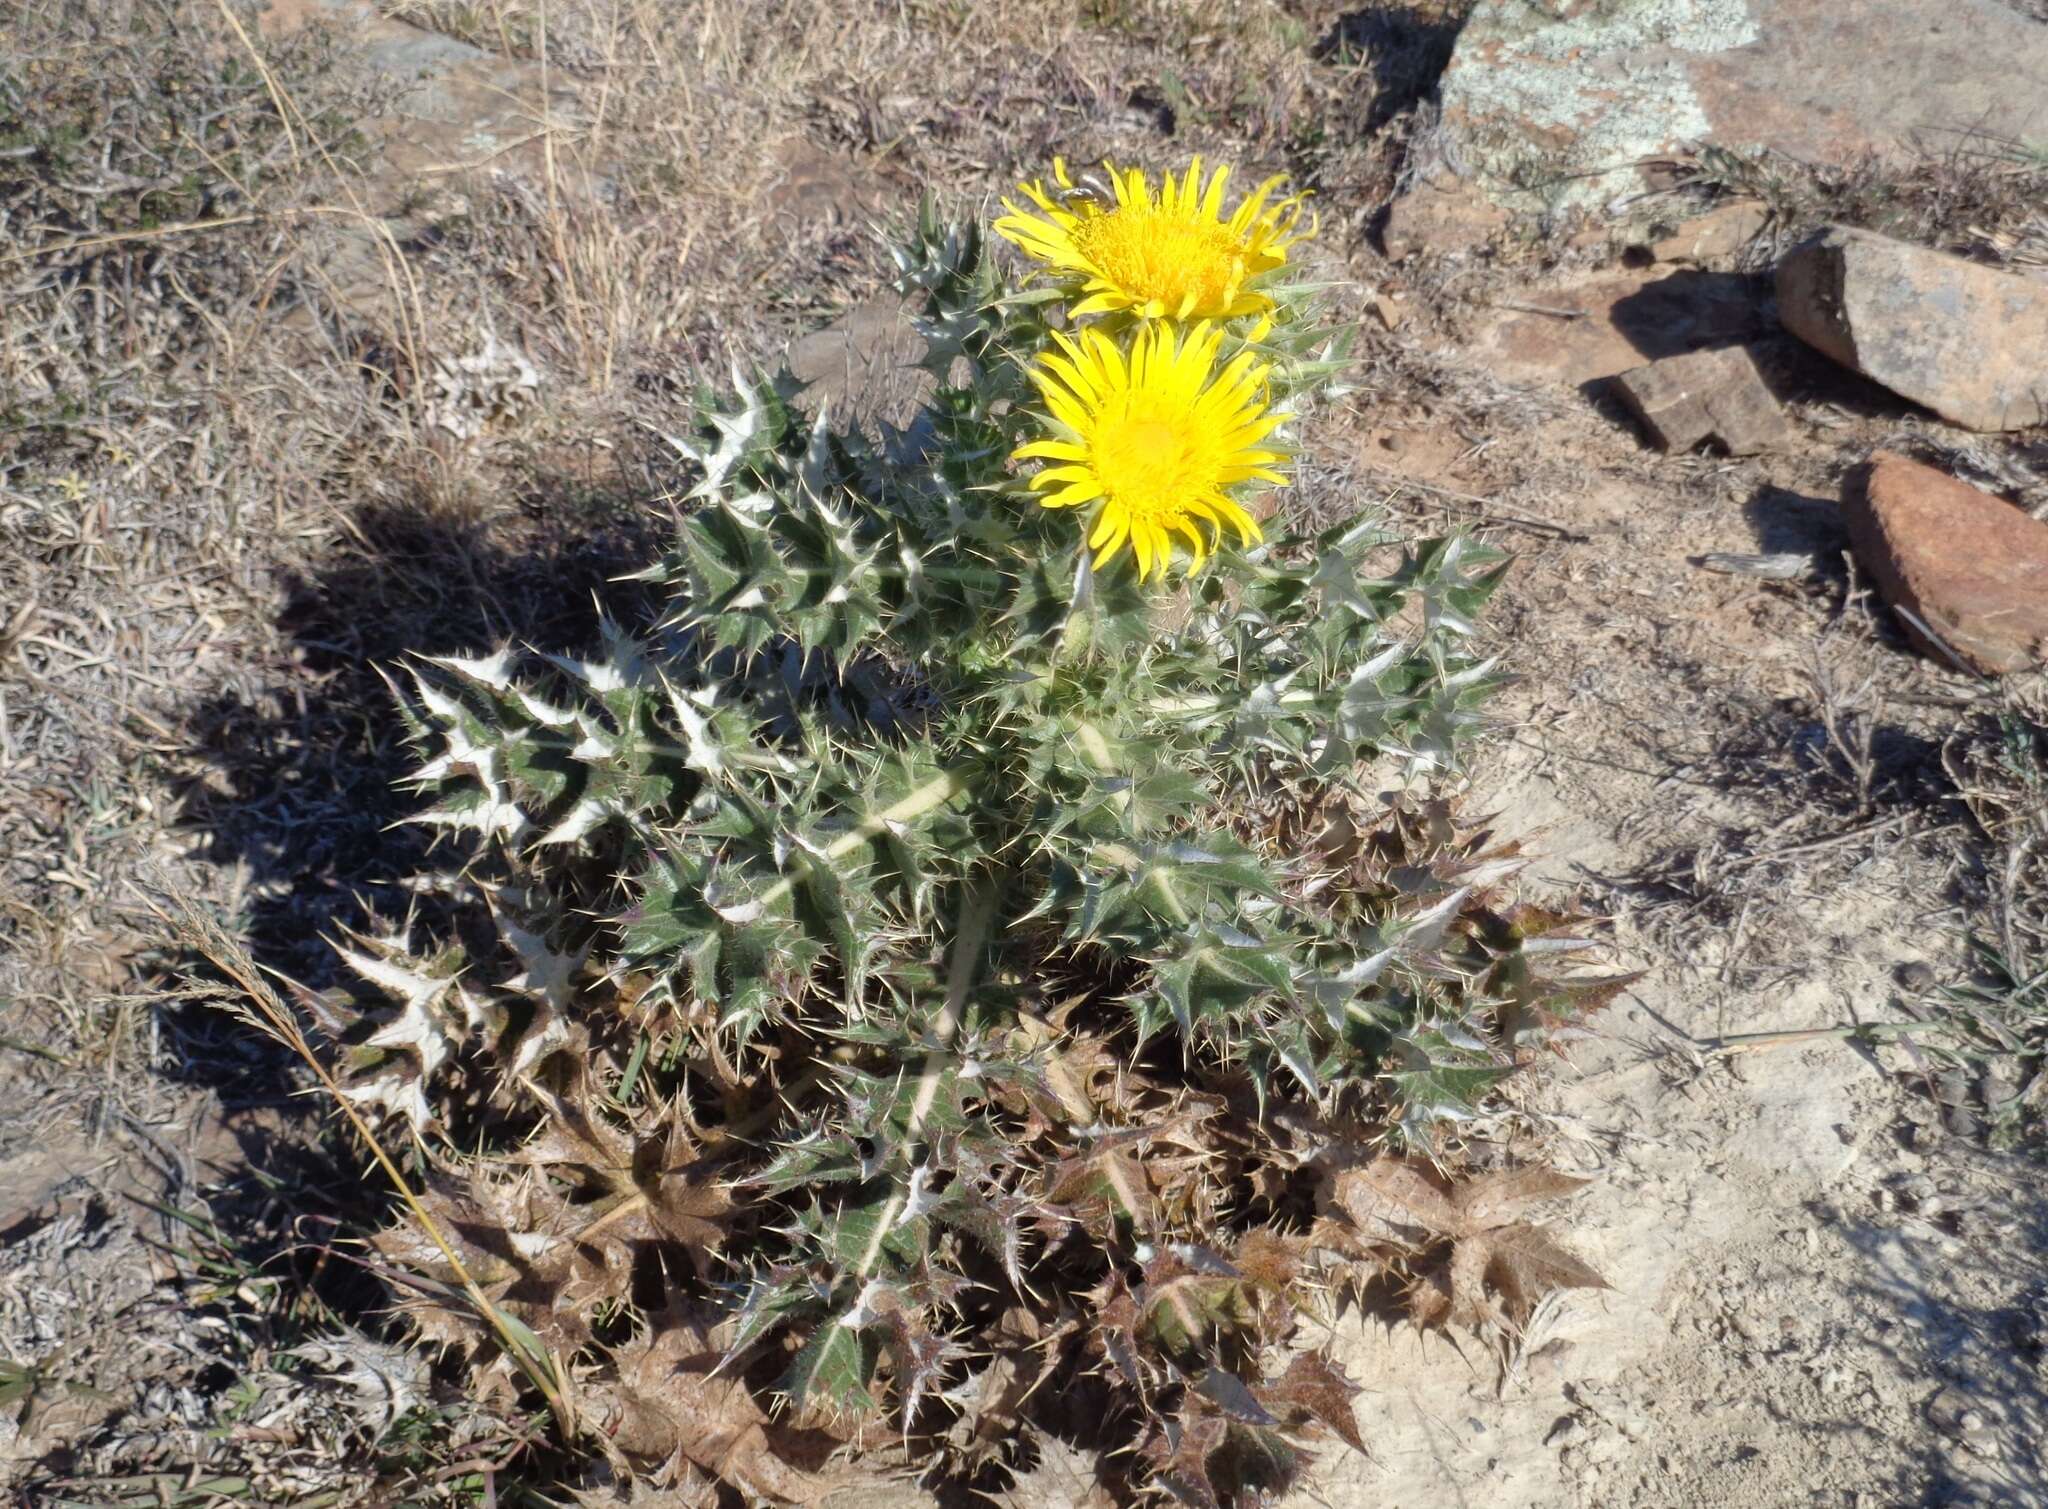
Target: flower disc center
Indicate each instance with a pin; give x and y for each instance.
(1164, 257)
(1151, 460)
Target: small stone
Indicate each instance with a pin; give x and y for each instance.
(1606, 1448)
(1443, 215)
(1963, 339)
(1705, 395)
(1716, 236)
(1389, 312)
(1966, 572)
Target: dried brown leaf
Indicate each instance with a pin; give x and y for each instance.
(1499, 1266)
(1179, 1455)
(1470, 1304)
(669, 1403)
(1268, 1259)
(1493, 1199)
(1314, 1388)
(1397, 1200)
(1528, 1263)
(1429, 1296)
(1024, 1356)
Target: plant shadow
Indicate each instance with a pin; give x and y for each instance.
(1986, 1407)
(291, 776)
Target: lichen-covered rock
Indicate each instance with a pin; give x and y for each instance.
(1554, 103)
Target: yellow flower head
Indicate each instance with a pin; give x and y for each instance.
(1169, 256)
(1154, 442)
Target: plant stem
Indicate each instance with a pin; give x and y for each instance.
(265, 1008)
(1753, 1042)
(936, 792)
(977, 916)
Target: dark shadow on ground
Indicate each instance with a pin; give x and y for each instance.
(293, 776)
(1691, 310)
(1987, 1390)
(1406, 49)
(1789, 523)
(289, 785)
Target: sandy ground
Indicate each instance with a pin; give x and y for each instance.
(1821, 1294)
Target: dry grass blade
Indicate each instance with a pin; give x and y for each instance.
(261, 1006)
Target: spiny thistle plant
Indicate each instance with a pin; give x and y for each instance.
(922, 966)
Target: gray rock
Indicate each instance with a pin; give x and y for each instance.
(1550, 103)
(1969, 342)
(863, 367)
(454, 113)
(1716, 394)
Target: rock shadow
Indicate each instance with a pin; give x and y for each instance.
(1692, 310)
(1406, 48)
(1789, 523)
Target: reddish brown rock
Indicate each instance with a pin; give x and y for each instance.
(1969, 342)
(1967, 573)
(1586, 331)
(1705, 395)
(1439, 216)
